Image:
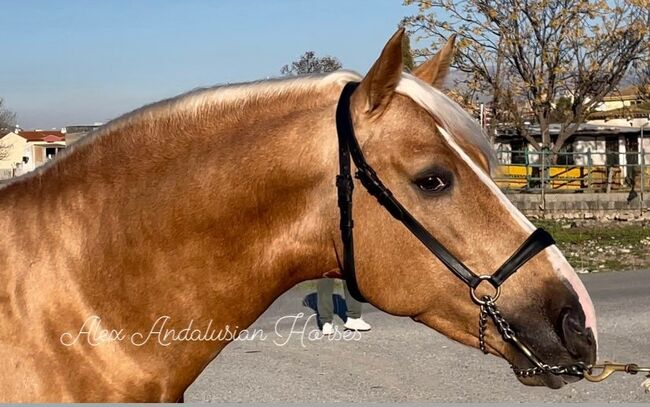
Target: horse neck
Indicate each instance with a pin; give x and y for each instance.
(202, 216)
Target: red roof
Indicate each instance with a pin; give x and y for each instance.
(49, 136)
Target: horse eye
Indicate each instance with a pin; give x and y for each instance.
(432, 183)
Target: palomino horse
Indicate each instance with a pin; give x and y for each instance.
(210, 205)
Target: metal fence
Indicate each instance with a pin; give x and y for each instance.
(566, 172)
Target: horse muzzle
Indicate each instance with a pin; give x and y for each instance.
(573, 344)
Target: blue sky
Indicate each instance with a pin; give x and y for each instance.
(75, 62)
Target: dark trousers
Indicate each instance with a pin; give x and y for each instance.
(325, 289)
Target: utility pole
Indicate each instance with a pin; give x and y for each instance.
(642, 162)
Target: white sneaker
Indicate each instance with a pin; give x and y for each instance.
(357, 324)
(328, 328)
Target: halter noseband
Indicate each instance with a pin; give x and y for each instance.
(536, 242)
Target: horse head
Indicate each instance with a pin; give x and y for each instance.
(437, 161)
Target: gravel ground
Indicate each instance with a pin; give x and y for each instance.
(400, 360)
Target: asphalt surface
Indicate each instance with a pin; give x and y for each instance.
(400, 360)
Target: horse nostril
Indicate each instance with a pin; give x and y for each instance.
(577, 339)
(572, 324)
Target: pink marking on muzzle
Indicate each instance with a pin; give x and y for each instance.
(562, 266)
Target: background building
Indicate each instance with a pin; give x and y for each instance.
(22, 151)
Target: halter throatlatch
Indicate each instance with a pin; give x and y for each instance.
(535, 243)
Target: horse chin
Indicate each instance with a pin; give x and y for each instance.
(550, 381)
(553, 382)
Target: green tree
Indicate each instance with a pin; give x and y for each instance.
(527, 53)
(309, 63)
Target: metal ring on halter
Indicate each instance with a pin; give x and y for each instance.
(472, 291)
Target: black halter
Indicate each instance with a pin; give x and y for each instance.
(349, 147)
(536, 242)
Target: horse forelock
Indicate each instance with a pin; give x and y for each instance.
(455, 120)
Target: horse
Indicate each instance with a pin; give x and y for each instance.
(210, 205)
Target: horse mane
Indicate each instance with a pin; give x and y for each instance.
(453, 117)
(192, 102)
(223, 95)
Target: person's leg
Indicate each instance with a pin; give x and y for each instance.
(324, 289)
(354, 306)
(354, 320)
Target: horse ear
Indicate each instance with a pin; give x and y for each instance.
(377, 88)
(435, 70)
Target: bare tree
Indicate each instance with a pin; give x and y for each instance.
(407, 54)
(642, 77)
(4, 150)
(526, 54)
(7, 123)
(310, 63)
(7, 119)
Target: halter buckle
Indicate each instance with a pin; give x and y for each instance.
(345, 186)
(373, 185)
(493, 298)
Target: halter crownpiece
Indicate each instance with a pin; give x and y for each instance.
(539, 240)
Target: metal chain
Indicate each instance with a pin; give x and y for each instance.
(488, 309)
(482, 328)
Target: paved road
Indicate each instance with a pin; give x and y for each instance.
(404, 361)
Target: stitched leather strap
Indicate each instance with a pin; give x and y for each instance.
(536, 242)
(345, 187)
